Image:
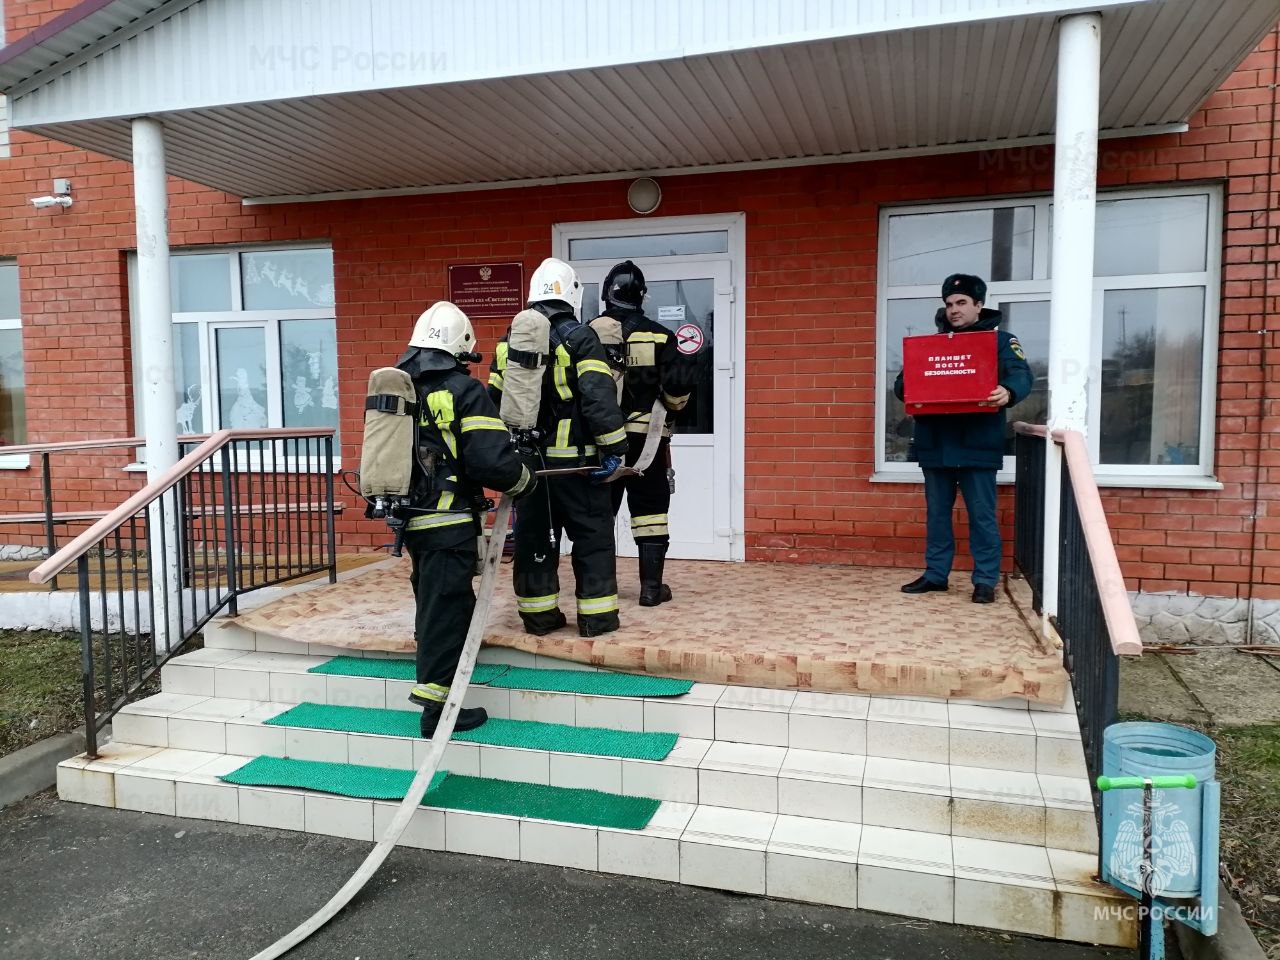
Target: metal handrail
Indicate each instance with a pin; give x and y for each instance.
(118, 517)
(64, 446)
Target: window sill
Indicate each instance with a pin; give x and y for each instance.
(287, 466)
(1118, 481)
(17, 461)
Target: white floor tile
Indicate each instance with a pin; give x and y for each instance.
(806, 836)
(148, 793)
(744, 757)
(208, 657)
(1003, 906)
(586, 773)
(905, 849)
(639, 855)
(1071, 829)
(338, 816)
(207, 801)
(757, 698)
(923, 712)
(255, 740)
(751, 726)
(197, 734)
(222, 634)
(831, 734)
(398, 696)
(614, 713)
(495, 700)
(907, 741)
(744, 791)
(906, 810)
(688, 752)
(996, 751)
(1086, 919)
(193, 680)
(242, 684)
(1056, 724)
(819, 798)
(291, 687)
(914, 775)
(558, 844)
(988, 859)
(1060, 757)
(811, 880)
(730, 826)
(1007, 822)
(324, 745)
(993, 719)
(263, 807)
(543, 707)
(355, 692)
(424, 832)
(174, 761)
(78, 785)
(481, 834)
(847, 706)
(741, 869)
(373, 751)
(114, 755)
(819, 765)
(1066, 791)
(704, 693)
(269, 644)
(524, 766)
(141, 728)
(660, 781)
(977, 783)
(516, 658)
(164, 704)
(677, 716)
(929, 896)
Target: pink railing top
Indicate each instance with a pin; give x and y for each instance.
(86, 541)
(1108, 578)
(65, 446)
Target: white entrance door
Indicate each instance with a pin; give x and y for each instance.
(692, 297)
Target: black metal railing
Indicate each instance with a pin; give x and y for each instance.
(1028, 529)
(242, 510)
(1090, 613)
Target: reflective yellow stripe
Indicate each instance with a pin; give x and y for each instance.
(525, 479)
(648, 337)
(446, 501)
(674, 403)
(598, 604)
(537, 604)
(589, 450)
(612, 437)
(432, 521)
(482, 423)
(594, 366)
(500, 356)
(649, 520)
(440, 407)
(560, 373)
(495, 379)
(562, 432)
(432, 691)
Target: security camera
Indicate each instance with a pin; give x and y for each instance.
(42, 202)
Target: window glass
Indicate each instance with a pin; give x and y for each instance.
(188, 393)
(287, 279)
(242, 377)
(1028, 320)
(9, 307)
(682, 303)
(591, 305)
(13, 394)
(1152, 348)
(906, 318)
(200, 281)
(1151, 235)
(309, 373)
(995, 244)
(652, 245)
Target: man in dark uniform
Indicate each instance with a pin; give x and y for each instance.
(461, 448)
(581, 425)
(964, 450)
(653, 369)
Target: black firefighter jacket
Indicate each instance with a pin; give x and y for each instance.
(654, 369)
(974, 440)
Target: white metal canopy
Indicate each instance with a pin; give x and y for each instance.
(291, 98)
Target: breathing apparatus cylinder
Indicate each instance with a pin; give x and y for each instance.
(609, 331)
(386, 452)
(528, 354)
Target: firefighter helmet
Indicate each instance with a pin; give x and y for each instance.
(624, 286)
(555, 280)
(442, 326)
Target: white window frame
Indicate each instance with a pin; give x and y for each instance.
(1196, 476)
(14, 461)
(208, 322)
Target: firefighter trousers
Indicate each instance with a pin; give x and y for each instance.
(444, 563)
(580, 508)
(648, 496)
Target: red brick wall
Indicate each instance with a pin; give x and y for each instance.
(811, 294)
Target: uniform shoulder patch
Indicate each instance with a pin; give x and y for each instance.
(1016, 347)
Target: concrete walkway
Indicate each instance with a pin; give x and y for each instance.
(94, 882)
(1210, 685)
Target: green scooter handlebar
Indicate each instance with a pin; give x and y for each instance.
(1187, 781)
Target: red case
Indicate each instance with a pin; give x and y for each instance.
(949, 372)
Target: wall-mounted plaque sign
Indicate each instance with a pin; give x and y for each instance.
(487, 289)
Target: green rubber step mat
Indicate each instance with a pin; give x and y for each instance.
(498, 732)
(595, 683)
(452, 792)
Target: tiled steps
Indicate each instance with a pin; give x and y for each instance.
(1015, 887)
(1009, 735)
(966, 801)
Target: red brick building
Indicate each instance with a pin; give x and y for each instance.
(802, 276)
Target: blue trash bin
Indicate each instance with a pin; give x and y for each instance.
(1155, 750)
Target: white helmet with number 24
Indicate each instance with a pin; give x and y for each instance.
(443, 326)
(556, 280)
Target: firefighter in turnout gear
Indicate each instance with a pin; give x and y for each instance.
(461, 447)
(579, 424)
(653, 369)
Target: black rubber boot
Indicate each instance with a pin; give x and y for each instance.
(540, 624)
(653, 558)
(468, 719)
(597, 624)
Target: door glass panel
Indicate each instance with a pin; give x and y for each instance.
(1152, 349)
(687, 308)
(186, 370)
(9, 291)
(13, 392)
(995, 244)
(242, 377)
(309, 373)
(1029, 321)
(653, 245)
(200, 281)
(591, 305)
(906, 318)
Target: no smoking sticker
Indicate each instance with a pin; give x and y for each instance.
(689, 339)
